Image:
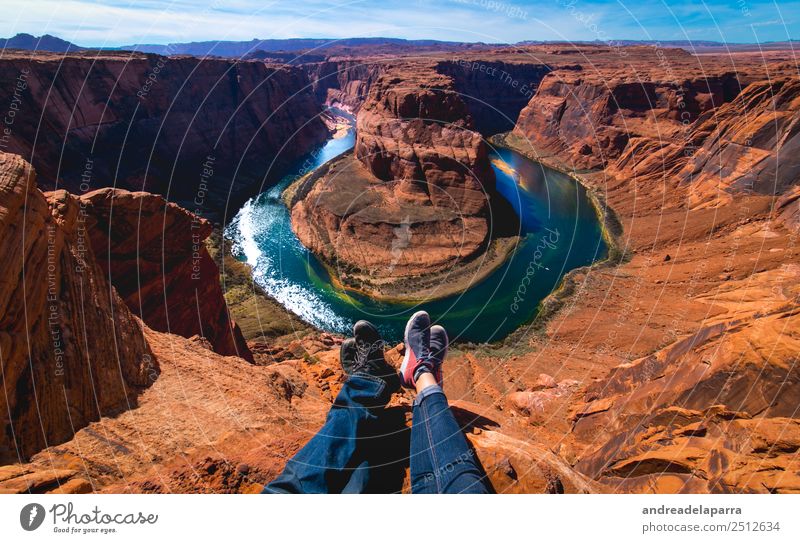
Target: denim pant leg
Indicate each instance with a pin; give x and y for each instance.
(334, 460)
(441, 462)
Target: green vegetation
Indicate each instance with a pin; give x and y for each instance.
(259, 316)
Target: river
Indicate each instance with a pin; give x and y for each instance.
(560, 232)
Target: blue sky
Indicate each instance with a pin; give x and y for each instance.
(118, 22)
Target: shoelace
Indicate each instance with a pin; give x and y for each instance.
(425, 361)
(364, 354)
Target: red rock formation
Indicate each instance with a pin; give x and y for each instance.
(787, 209)
(745, 146)
(416, 129)
(344, 82)
(146, 122)
(420, 199)
(494, 91)
(589, 117)
(358, 225)
(704, 133)
(714, 411)
(153, 253)
(750, 144)
(71, 350)
(221, 437)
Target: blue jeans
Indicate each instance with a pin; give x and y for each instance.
(361, 447)
(441, 461)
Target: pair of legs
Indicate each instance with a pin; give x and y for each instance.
(344, 456)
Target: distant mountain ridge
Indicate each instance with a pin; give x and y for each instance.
(241, 48)
(238, 48)
(665, 43)
(46, 42)
(258, 48)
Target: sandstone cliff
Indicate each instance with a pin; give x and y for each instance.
(78, 270)
(713, 412)
(751, 144)
(704, 134)
(71, 350)
(494, 91)
(589, 118)
(416, 129)
(154, 254)
(344, 82)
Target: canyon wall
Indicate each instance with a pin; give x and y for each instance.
(494, 91)
(70, 348)
(343, 82)
(589, 118)
(154, 254)
(80, 270)
(750, 144)
(688, 367)
(708, 136)
(203, 132)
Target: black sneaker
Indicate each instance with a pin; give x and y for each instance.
(439, 345)
(364, 354)
(418, 351)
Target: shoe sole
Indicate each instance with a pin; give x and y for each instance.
(444, 353)
(373, 337)
(347, 343)
(365, 324)
(406, 357)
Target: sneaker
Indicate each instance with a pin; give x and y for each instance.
(439, 344)
(364, 354)
(418, 354)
